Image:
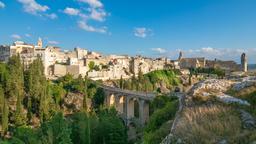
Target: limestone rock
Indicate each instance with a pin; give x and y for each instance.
(248, 120)
(229, 99)
(73, 102)
(245, 82)
(210, 86)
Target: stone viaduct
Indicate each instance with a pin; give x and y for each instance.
(124, 101)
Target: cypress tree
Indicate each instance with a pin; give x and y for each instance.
(121, 83)
(15, 87)
(5, 119)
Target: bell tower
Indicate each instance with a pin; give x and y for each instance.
(180, 55)
(40, 42)
(244, 62)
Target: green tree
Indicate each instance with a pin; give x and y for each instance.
(81, 130)
(85, 94)
(91, 65)
(15, 88)
(134, 82)
(27, 135)
(56, 131)
(110, 129)
(98, 98)
(1, 99)
(58, 93)
(5, 117)
(3, 74)
(121, 83)
(38, 89)
(140, 76)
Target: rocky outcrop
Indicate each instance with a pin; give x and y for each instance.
(210, 86)
(245, 82)
(229, 99)
(170, 139)
(248, 120)
(73, 102)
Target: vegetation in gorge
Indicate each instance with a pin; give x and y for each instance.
(215, 71)
(152, 81)
(160, 121)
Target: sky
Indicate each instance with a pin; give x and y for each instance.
(221, 29)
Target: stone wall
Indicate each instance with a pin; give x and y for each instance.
(60, 70)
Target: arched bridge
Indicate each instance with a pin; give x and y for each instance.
(125, 100)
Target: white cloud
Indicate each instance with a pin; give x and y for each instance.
(2, 5)
(28, 35)
(71, 11)
(32, 7)
(93, 13)
(93, 3)
(142, 32)
(15, 36)
(51, 16)
(159, 50)
(53, 42)
(98, 14)
(83, 25)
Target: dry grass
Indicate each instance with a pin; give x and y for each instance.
(245, 91)
(209, 124)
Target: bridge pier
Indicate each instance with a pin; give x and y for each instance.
(141, 111)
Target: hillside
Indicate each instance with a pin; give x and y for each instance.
(161, 81)
(217, 111)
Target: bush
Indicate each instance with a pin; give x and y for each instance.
(162, 115)
(158, 135)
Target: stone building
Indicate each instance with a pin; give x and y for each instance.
(228, 66)
(4, 53)
(186, 63)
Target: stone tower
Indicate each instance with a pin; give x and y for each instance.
(244, 62)
(40, 43)
(180, 55)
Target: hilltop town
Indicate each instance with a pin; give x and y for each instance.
(96, 66)
(150, 100)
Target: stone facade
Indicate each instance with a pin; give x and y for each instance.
(225, 65)
(186, 63)
(59, 63)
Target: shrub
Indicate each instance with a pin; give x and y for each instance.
(162, 115)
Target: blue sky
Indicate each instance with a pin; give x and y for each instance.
(211, 28)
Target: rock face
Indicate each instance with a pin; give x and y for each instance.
(210, 86)
(229, 99)
(246, 82)
(73, 102)
(170, 139)
(248, 120)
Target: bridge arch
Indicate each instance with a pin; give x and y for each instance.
(129, 104)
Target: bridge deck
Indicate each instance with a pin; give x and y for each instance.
(142, 95)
